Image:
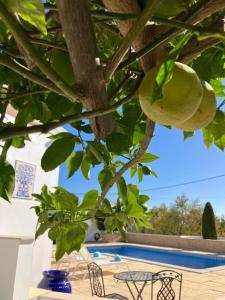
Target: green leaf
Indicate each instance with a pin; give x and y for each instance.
(210, 64)
(122, 188)
(207, 137)
(31, 11)
(61, 246)
(18, 142)
(134, 189)
(71, 237)
(57, 153)
(217, 126)
(33, 109)
(64, 135)
(118, 143)
(62, 65)
(73, 162)
(153, 173)
(135, 211)
(58, 105)
(25, 115)
(65, 200)
(165, 71)
(109, 224)
(42, 228)
(146, 170)
(220, 143)
(133, 170)
(53, 233)
(104, 177)
(143, 199)
(218, 87)
(131, 197)
(7, 180)
(139, 133)
(140, 174)
(99, 151)
(85, 168)
(187, 134)
(148, 157)
(106, 206)
(90, 200)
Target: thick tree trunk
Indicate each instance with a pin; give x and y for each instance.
(77, 26)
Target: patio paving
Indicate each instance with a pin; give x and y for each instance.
(196, 286)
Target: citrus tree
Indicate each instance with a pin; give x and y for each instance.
(81, 63)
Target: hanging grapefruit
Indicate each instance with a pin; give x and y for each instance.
(205, 113)
(181, 96)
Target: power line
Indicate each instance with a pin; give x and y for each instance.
(174, 185)
(184, 183)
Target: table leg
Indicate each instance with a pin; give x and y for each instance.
(130, 290)
(141, 290)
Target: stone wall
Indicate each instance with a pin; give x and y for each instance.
(181, 242)
(186, 243)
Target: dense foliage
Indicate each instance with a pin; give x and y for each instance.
(183, 217)
(81, 63)
(209, 223)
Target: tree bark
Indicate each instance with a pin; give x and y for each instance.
(79, 33)
(151, 32)
(132, 7)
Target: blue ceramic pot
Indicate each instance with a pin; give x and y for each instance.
(56, 280)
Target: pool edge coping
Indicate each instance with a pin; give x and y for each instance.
(169, 249)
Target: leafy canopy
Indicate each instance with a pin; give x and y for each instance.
(40, 78)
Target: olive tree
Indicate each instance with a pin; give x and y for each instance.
(81, 62)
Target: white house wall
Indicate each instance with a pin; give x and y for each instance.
(17, 219)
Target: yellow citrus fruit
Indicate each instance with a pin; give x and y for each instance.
(205, 113)
(181, 96)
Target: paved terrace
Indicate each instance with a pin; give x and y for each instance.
(196, 286)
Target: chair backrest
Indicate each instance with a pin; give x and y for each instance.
(96, 280)
(166, 290)
(85, 254)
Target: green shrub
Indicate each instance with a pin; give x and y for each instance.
(208, 223)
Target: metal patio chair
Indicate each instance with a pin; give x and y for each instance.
(167, 278)
(97, 283)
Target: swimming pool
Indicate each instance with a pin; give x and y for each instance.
(171, 257)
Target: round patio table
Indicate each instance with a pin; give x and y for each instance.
(134, 277)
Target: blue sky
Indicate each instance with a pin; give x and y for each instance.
(180, 161)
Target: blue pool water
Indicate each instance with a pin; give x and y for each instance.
(162, 256)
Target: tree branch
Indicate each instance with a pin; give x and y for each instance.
(203, 9)
(9, 132)
(147, 139)
(22, 38)
(26, 73)
(48, 44)
(132, 34)
(194, 48)
(80, 38)
(148, 48)
(21, 95)
(5, 148)
(198, 30)
(3, 112)
(196, 14)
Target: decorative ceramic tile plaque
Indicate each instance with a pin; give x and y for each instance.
(24, 183)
